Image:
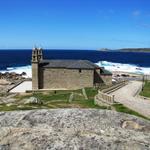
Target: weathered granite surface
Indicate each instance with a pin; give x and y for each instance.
(73, 129)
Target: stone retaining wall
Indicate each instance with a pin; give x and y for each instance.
(104, 99)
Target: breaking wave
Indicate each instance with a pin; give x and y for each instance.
(107, 65)
(124, 67)
(19, 70)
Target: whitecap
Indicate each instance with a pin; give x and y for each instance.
(19, 70)
(131, 68)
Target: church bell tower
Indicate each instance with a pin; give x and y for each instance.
(37, 56)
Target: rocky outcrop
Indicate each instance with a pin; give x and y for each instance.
(9, 80)
(33, 100)
(12, 76)
(70, 129)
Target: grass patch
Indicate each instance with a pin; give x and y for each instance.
(56, 99)
(87, 104)
(75, 104)
(60, 99)
(45, 97)
(4, 107)
(49, 97)
(91, 92)
(146, 90)
(4, 94)
(122, 108)
(58, 95)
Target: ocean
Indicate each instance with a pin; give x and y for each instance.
(20, 60)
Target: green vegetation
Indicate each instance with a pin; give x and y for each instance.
(60, 99)
(4, 94)
(4, 107)
(55, 99)
(91, 92)
(122, 108)
(146, 90)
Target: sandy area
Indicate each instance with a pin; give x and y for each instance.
(21, 88)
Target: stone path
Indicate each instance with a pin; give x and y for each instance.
(127, 96)
(23, 87)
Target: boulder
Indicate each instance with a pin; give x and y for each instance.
(23, 74)
(33, 100)
(12, 75)
(4, 82)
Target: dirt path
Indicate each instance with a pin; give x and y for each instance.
(127, 96)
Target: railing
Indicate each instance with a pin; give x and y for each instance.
(146, 77)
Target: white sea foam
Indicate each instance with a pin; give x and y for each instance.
(19, 70)
(108, 65)
(124, 67)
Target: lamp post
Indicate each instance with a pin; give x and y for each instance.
(143, 83)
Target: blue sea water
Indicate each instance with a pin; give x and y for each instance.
(10, 59)
(16, 58)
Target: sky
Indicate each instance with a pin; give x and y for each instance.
(74, 24)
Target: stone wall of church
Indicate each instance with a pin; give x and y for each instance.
(50, 78)
(107, 79)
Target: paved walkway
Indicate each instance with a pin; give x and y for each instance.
(23, 87)
(126, 96)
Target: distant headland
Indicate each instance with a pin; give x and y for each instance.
(135, 49)
(127, 49)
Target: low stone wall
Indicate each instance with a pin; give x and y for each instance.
(104, 99)
(139, 90)
(115, 87)
(142, 97)
(147, 77)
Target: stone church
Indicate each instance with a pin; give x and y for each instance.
(66, 74)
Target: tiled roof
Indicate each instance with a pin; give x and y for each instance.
(69, 64)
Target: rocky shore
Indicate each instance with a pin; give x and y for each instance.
(12, 76)
(71, 129)
(9, 80)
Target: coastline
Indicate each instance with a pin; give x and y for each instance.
(143, 50)
(120, 72)
(116, 68)
(124, 68)
(19, 70)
